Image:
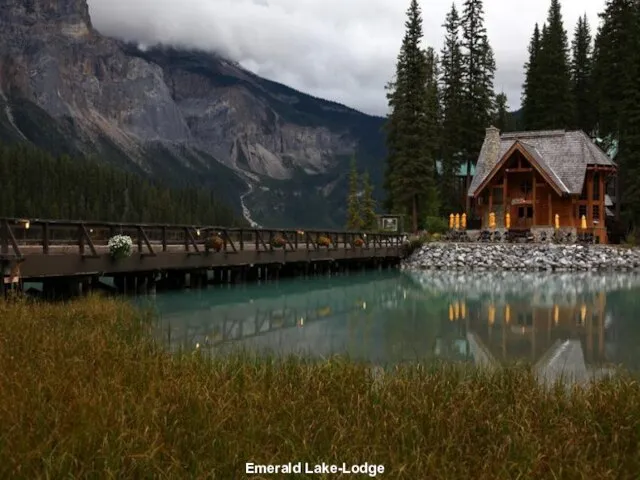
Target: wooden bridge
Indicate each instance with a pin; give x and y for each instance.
(41, 249)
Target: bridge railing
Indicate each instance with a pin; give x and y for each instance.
(20, 237)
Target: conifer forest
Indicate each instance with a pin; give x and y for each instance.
(441, 102)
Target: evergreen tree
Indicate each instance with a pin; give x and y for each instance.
(433, 120)
(581, 76)
(368, 205)
(614, 83)
(629, 148)
(354, 220)
(36, 184)
(451, 95)
(409, 178)
(500, 120)
(555, 101)
(532, 90)
(478, 69)
(611, 75)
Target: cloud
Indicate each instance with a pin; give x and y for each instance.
(343, 50)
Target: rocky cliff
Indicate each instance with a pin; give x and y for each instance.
(185, 116)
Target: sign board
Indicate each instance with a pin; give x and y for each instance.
(518, 201)
(389, 223)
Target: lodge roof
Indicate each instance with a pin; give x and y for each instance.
(563, 155)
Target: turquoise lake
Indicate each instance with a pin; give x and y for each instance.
(396, 316)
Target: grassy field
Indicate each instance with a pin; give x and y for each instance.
(85, 393)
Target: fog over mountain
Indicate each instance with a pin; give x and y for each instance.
(339, 50)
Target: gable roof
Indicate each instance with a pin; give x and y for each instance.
(562, 155)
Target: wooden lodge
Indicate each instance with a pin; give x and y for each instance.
(535, 175)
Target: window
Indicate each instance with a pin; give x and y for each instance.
(525, 187)
(525, 319)
(529, 212)
(520, 212)
(596, 186)
(582, 211)
(596, 212)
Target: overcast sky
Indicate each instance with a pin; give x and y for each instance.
(343, 50)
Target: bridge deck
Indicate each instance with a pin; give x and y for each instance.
(44, 248)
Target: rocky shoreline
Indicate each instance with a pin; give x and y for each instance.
(523, 257)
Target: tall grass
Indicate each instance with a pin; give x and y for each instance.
(85, 393)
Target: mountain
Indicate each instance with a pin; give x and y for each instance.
(182, 116)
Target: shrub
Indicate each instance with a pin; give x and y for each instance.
(415, 242)
(436, 225)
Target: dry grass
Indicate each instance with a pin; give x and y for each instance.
(85, 394)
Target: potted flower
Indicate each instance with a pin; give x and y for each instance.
(214, 242)
(358, 242)
(120, 246)
(278, 241)
(324, 241)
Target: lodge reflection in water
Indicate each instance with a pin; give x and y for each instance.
(390, 318)
(518, 329)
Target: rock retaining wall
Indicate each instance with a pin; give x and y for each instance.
(523, 257)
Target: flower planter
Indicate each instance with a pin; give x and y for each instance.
(120, 246)
(358, 242)
(215, 243)
(278, 242)
(324, 241)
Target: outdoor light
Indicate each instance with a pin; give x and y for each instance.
(27, 224)
(197, 231)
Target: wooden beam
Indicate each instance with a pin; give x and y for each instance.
(550, 209)
(518, 170)
(533, 207)
(7, 238)
(589, 180)
(191, 240)
(84, 233)
(142, 236)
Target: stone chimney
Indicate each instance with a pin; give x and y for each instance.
(491, 147)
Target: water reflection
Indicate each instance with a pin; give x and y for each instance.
(576, 323)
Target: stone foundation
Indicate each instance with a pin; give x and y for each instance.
(523, 257)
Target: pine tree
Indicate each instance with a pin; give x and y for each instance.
(451, 95)
(433, 120)
(614, 82)
(581, 77)
(555, 101)
(533, 87)
(500, 119)
(629, 148)
(354, 220)
(368, 205)
(478, 69)
(611, 75)
(409, 178)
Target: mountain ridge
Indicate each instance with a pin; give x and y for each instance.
(182, 115)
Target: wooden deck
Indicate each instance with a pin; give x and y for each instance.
(47, 248)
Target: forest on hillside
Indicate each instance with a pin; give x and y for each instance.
(442, 102)
(36, 184)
